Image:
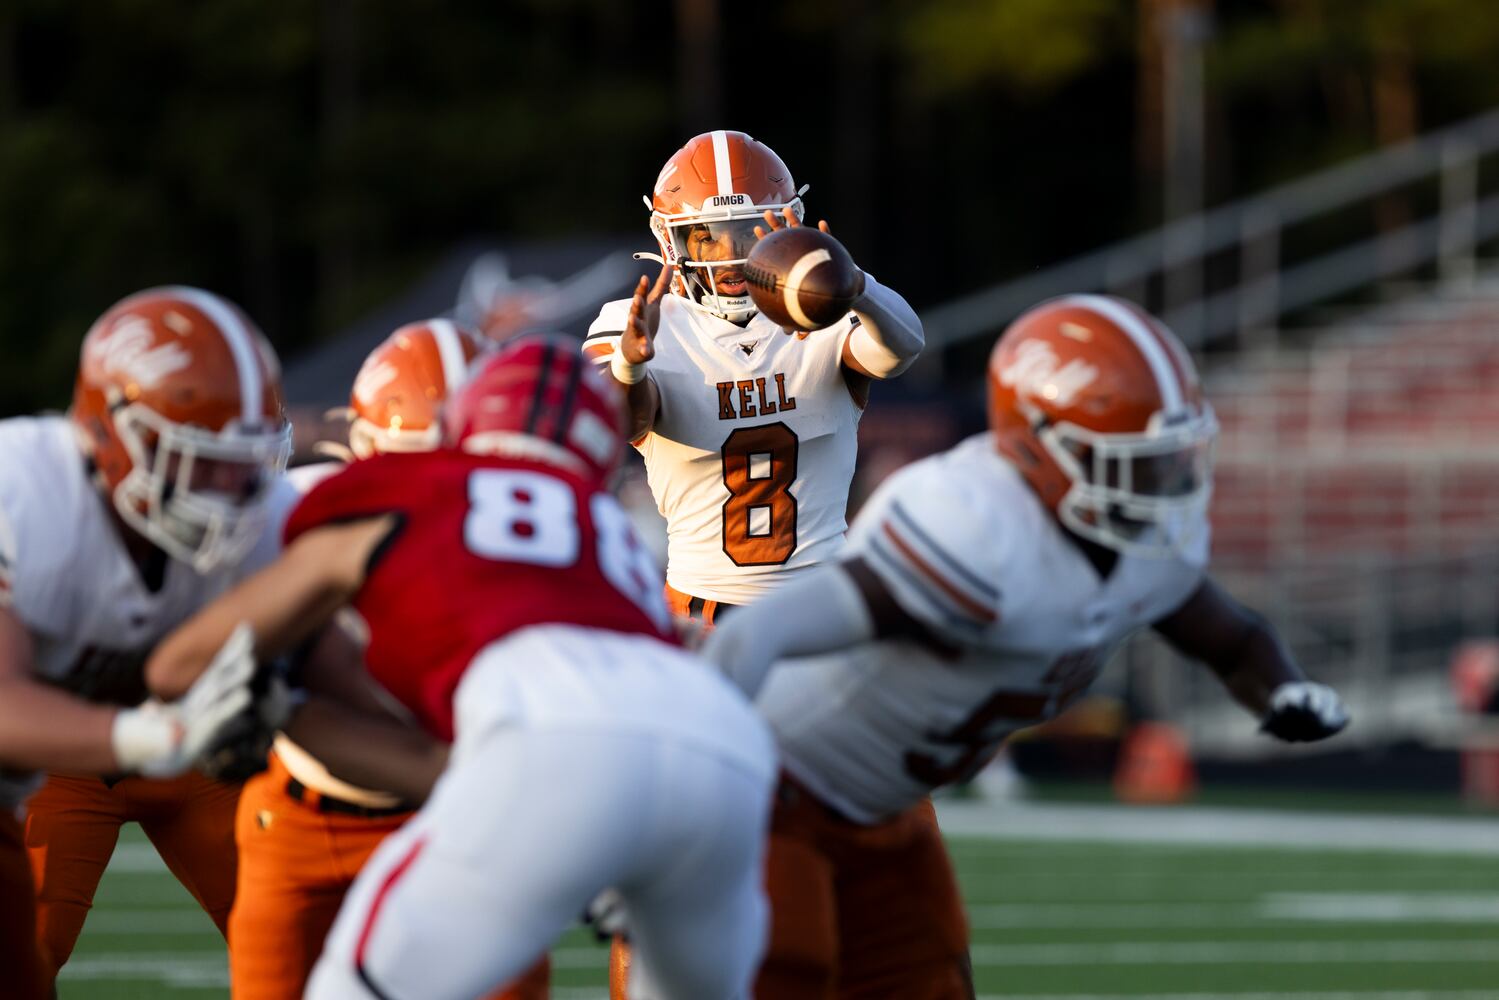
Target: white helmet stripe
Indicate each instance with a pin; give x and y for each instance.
(450, 351)
(1184, 363)
(721, 162)
(241, 347)
(1146, 342)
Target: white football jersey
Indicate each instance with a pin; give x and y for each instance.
(66, 574)
(753, 450)
(966, 548)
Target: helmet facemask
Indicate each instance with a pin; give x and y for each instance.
(206, 526)
(709, 248)
(1141, 494)
(367, 438)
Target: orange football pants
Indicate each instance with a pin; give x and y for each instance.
(297, 858)
(72, 824)
(19, 958)
(856, 912)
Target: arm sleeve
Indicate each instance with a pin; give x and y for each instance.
(889, 336)
(603, 333)
(937, 548)
(821, 612)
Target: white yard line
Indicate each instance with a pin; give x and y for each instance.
(135, 859)
(1195, 887)
(586, 957)
(1048, 916)
(188, 922)
(1258, 995)
(179, 969)
(1277, 907)
(1255, 828)
(1473, 950)
(1380, 907)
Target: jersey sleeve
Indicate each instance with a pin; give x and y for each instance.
(604, 332)
(931, 543)
(367, 488)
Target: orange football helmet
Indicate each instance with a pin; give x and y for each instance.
(403, 382)
(1098, 405)
(708, 200)
(178, 410)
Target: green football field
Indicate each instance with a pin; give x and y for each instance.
(1079, 914)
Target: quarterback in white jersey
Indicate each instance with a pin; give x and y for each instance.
(117, 522)
(981, 591)
(748, 431)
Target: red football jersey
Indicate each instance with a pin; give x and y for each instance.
(485, 546)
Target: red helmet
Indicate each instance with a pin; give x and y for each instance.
(178, 409)
(708, 200)
(1098, 404)
(539, 398)
(403, 382)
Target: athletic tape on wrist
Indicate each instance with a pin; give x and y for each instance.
(623, 370)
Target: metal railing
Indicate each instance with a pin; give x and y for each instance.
(1263, 284)
(1382, 630)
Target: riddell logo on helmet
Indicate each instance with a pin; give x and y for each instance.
(126, 350)
(726, 200)
(1036, 371)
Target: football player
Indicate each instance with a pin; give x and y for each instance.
(117, 522)
(982, 590)
(513, 611)
(748, 431)
(303, 834)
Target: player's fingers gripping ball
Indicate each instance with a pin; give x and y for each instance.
(802, 278)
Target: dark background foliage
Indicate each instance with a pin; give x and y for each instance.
(308, 158)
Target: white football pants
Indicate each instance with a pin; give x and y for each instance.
(527, 825)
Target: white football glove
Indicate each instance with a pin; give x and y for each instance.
(1303, 711)
(162, 740)
(607, 915)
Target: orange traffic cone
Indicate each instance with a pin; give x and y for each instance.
(1155, 767)
(1475, 676)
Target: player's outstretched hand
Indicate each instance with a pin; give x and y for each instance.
(1303, 711)
(786, 220)
(162, 740)
(638, 341)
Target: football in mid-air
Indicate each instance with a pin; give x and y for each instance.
(802, 279)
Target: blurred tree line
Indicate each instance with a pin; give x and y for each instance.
(309, 157)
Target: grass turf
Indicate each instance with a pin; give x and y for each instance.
(1076, 921)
